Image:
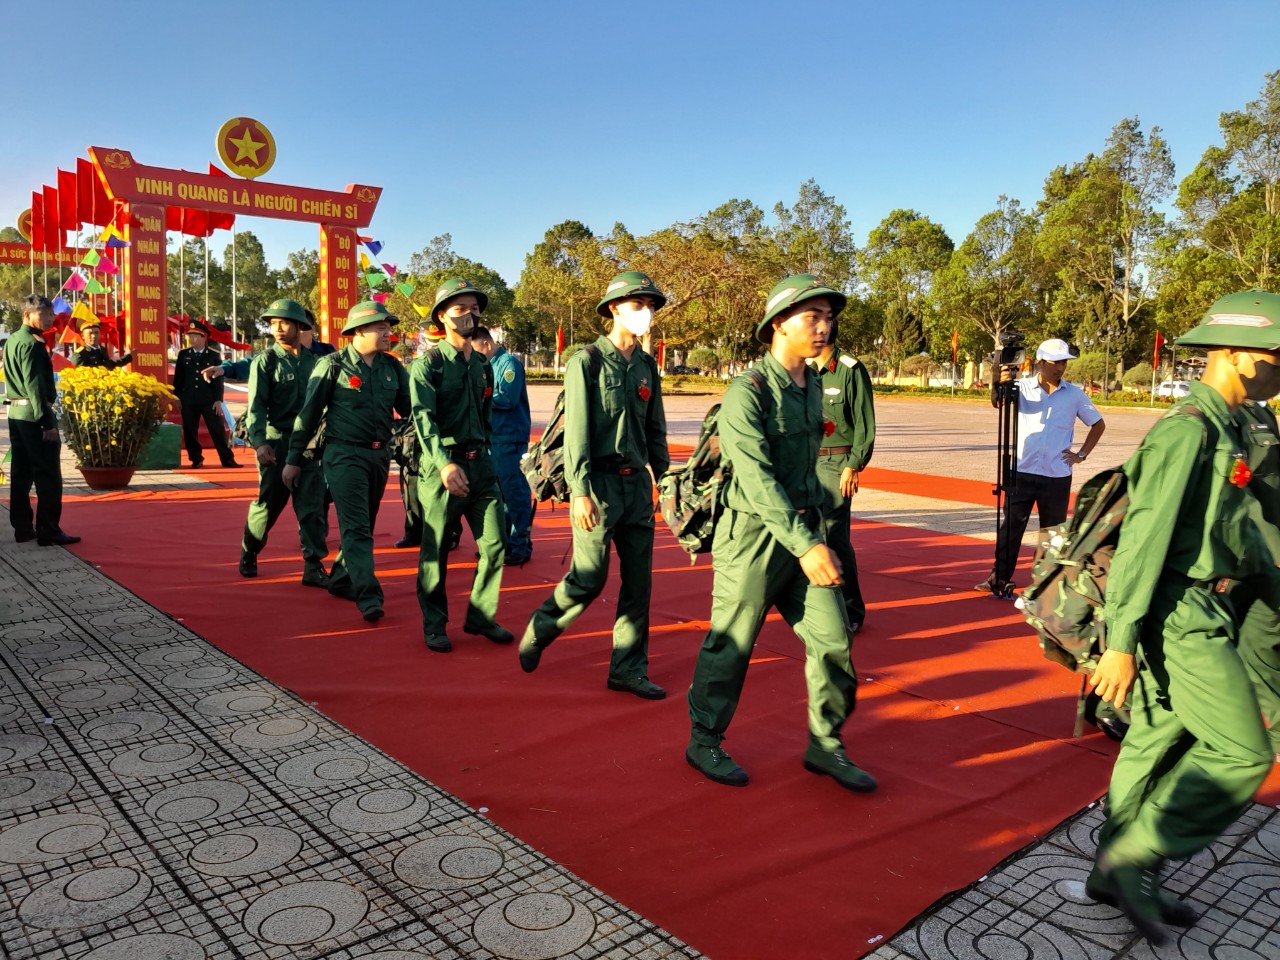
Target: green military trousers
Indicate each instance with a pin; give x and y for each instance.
(357, 478)
(626, 522)
(441, 512)
(1196, 751)
(837, 516)
(1257, 605)
(273, 496)
(754, 572)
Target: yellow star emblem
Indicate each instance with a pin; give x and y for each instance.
(246, 147)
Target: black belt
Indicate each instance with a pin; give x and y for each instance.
(1220, 585)
(465, 453)
(374, 445)
(834, 451)
(620, 469)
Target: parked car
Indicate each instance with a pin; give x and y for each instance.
(1174, 388)
(681, 368)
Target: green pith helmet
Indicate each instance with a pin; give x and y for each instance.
(1247, 321)
(288, 310)
(629, 283)
(365, 313)
(792, 290)
(456, 287)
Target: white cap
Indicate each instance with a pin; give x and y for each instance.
(1054, 350)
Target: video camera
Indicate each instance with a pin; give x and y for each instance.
(1013, 350)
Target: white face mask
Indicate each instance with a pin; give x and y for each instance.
(635, 319)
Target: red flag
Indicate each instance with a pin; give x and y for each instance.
(52, 232)
(84, 190)
(37, 219)
(220, 221)
(662, 354)
(71, 335)
(1155, 362)
(67, 201)
(955, 345)
(559, 339)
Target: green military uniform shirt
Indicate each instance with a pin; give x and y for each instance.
(1196, 519)
(1263, 439)
(355, 400)
(277, 389)
(773, 471)
(847, 402)
(28, 373)
(440, 426)
(618, 419)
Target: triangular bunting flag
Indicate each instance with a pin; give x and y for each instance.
(60, 307)
(389, 269)
(364, 260)
(382, 297)
(83, 313)
(375, 246)
(71, 335)
(91, 259)
(406, 288)
(74, 282)
(116, 243)
(422, 311)
(106, 265)
(375, 278)
(93, 286)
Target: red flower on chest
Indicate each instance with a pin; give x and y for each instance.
(355, 383)
(828, 427)
(488, 392)
(645, 393)
(1241, 474)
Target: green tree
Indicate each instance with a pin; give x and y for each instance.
(249, 286)
(985, 287)
(903, 255)
(432, 266)
(1101, 231)
(554, 283)
(299, 279)
(814, 236)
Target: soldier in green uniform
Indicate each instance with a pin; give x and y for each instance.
(278, 379)
(1257, 599)
(355, 391)
(769, 546)
(615, 427)
(1196, 750)
(452, 392)
(93, 353)
(34, 442)
(850, 437)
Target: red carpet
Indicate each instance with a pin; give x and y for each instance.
(964, 723)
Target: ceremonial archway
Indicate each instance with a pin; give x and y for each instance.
(144, 193)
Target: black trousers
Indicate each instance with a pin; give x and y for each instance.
(1049, 495)
(35, 461)
(191, 415)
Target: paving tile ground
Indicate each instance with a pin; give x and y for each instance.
(158, 799)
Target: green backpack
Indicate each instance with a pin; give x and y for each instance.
(543, 465)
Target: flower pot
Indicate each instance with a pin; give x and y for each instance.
(107, 478)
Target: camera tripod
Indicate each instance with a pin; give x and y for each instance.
(1005, 395)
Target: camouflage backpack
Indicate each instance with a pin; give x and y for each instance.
(689, 495)
(1066, 598)
(543, 465)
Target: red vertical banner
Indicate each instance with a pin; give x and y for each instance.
(145, 290)
(337, 278)
(1155, 358)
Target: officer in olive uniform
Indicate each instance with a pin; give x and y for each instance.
(93, 353)
(615, 426)
(850, 437)
(409, 469)
(1196, 751)
(769, 545)
(278, 379)
(34, 442)
(355, 391)
(1257, 599)
(200, 397)
(452, 392)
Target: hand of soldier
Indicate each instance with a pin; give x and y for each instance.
(585, 513)
(454, 479)
(1113, 677)
(822, 566)
(848, 482)
(211, 373)
(289, 474)
(266, 455)
(50, 436)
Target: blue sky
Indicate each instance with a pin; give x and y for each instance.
(493, 121)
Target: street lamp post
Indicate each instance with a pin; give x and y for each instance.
(1106, 370)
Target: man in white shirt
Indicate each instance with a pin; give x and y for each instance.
(1047, 410)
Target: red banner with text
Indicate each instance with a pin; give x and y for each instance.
(337, 278)
(145, 290)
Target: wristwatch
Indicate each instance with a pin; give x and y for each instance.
(1082, 455)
